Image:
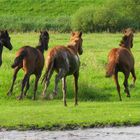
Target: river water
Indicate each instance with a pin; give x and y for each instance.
(115, 133)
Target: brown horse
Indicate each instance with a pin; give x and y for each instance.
(31, 60)
(122, 60)
(4, 41)
(65, 61)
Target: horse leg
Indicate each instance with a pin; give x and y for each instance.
(27, 86)
(64, 88)
(47, 83)
(117, 84)
(125, 83)
(13, 82)
(76, 75)
(24, 81)
(36, 85)
(60, 74)
(134, 77)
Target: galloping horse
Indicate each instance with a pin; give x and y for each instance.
(122, 60)
(4, 41)
(65, 61)
(31, 60)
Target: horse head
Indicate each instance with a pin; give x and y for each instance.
(44, 39)
(127, 39)
(76, 40)
(5, 39)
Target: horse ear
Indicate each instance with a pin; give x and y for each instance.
(133, 30)
(123, 31)
(6, 32)
(80, 34)
(73, 33)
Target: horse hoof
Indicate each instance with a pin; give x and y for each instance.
(19, 98)
(54, 93)
(33, 98)
(65, 105)
(128, 95)
(132, 86)
(51, 97)
(9, 93)
(125, 91)
(43, 96)
(24, 95)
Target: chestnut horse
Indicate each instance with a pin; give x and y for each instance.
(122, 60)
(65, 61)
(31, 60)
(4, 41)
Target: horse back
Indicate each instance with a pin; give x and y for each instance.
(64, 58)
(32, 60)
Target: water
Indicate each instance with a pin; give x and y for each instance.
(115, 133)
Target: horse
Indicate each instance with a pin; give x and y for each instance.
(122, 60)
(31, 60)
(65, 61)
(4, 41)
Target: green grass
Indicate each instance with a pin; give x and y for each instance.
(31, 15)
(99, 103)
(45, 8)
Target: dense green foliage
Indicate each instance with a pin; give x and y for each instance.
(67, 15)
(113, 16)
(99, 103)
(29, 15)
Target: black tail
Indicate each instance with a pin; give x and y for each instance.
(18, 59)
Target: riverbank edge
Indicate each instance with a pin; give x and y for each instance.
(63, 127)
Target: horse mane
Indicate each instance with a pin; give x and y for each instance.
(72, 46)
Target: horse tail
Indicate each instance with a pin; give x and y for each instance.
(49, 70)
(112, 63)
(19, 59)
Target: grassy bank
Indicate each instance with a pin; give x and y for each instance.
(51, 115)
(31, 15)
(98, 99)
(67, 15)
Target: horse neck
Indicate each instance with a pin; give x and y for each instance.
(1, 49)
(40, 47)
(73, 47)
(127, 45)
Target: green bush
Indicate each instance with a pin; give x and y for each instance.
(112, 16)
(60, 24)
(83, 19)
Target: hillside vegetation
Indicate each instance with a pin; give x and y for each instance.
(67, 15)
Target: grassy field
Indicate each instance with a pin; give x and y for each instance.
(99, 104)
(44, 8)
(31, 15)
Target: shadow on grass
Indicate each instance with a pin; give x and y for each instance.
(86, 93)
(95, 94)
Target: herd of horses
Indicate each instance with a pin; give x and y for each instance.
(65, 61)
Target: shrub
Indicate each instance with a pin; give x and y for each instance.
(60, 24)
(113, 16)
(83, 19)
